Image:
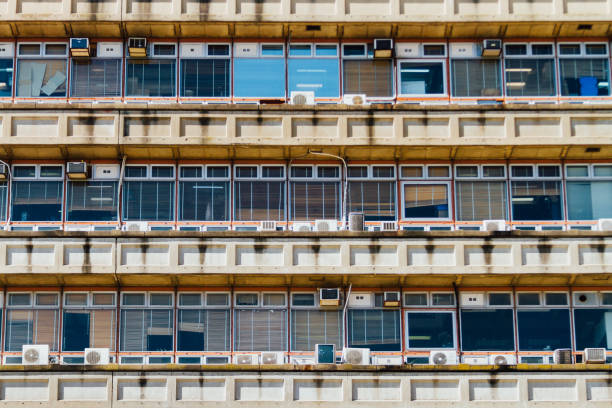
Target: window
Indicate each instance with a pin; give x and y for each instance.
(315, 192)
(88, 321)
(95, 78)
(148, 193)
(543, 329)
(311, 326)
(589, 191)
(92, 200)
(204, 193)
(203, 328)
(205, 70)
(430, 330)
(584, 69)
(362, 75)
(259, 327)
(146, 327)
(6, 77)
(425, 199)
(371, 191)
(3, 200)
(259, 70)
(31, 319)
(593, 328)
(376, 329)
(489, 328)
(480, 192)
(422, 77)
(154, 76)
(41, 70)
(530, 70)
(314, 68)
(475, 77)
(37, 193)
(259, 193)
(536, 198)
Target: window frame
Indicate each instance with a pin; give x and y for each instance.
(149, 171)
(449, 200)
(43, 49)
(480, 172)
(429, 59)
(590, 172)
(370, 173)
(407, 330)
(365, 55)
(147, 296)
(583, 49)
(37, 175)
(315, 172)
(530, 54)
(314, 306)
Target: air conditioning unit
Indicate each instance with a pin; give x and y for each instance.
(76, 170)
(79, 47)
(302, 98)
(326, 225)
(273, 357)
(475, 360)
(356, 356)
(35, 354)
(329, 297)
(388, 226)
(471, 299)
(562, 356)
(137, 47)
(491, 48)
(494, 225)
(325, 353)
(192, 50)
(442, 357)
(594, 356)
(354, 99)
(109, 50)
(3, 172)
(361, 299)
(135, 226)
(391, 299)
(502, 359)
(387, 360)
(246, 359)
(604, 224)
(267, 226)
(97, 356)
(302, 360)
(585, 299)
(356, 221)
(7, 50)
(383, 48)
(106, 171)
(301, 226)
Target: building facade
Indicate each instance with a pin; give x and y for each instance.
(197, 195)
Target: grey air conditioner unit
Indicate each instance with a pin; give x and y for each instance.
(137, 47)
(79, 47)
(594, 356)
(97, 356)
(491, 48)
(302, 98)
(383, 48)
(329, 297)
(562, 356)
(440, 357)
(3, 172)
(604, 224)
(325, 353)
(246, 359)
(267, 226)
(35, 354)
(76, 170)
(502, 359)
(273, 357)
(356, 221)
(356, 356)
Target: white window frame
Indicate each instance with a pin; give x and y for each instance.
(449, 199)
(152, 50)
(431, 59)
(583, 51)
(315, 172)
(29, 306)
(529, 50)
(535, 172)
(90, 299)
(407, 330)
(540, 299)
(365, 49)
(590, 171)
(370, 172)
(43, 49)
(204, 168)
(260, 47)
(425, 172)
(259, 172)
(431, 303)
(424, 44)
(55, 306)
(207, 54)
(135, 292)
(480, 172)
(226, 293)
(488, 303)
(37, 175)
(427, 299)
(200, 306)
(315, 304)
(283, 306)
(259, 300)
(149, 172)
(567, 298)
(151, 306)
(314, 51)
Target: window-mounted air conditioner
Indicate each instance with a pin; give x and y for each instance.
(273, 357)
(301, 226)
(383, 48)
(246, 359)
(475, 360)
(585, 299)
(137, 46)
(79, 47)
(391, 299)
(471, 299)
(354, 99)
(135, 226)
(76, 170)
(3, 172)
(325, 354)
(388, 226)
(442, 357)
(387, 360)
(7, 50)
(604, 224)
(494, 225)
(97, 356)
(562, 356)
(491, 48)
(35, 354)
(356, 221)
(329, 297)
(267, 226)
(502, 359)
(594, 356)
(361, 299)
(302, 98)
(109, 49)
(106, 171)
(356, 356)
(326, 225)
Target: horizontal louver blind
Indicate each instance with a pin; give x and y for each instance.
(476, 78)
(481, 200)
(102, 326)
(204, 330)
(370, 77)
(535, 188)
(423, 195)
(311, 327)
(96, 78)
(376, 199)
(148, 200)
(146, 330)
(315, 200)
(375, 329)
(260, 200)
(260, 330)
(19, 325)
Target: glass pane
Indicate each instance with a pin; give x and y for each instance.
(584, 77)
(430, 330)
(493, 171)
(164, 49)
(569, 49)
(602, 171)
(203, 330)
(273, 299)
(438, 171)
(477, 333)
(55, 49)
(516, 49)
(218, 49)
(99, 78)
(442, 299)
(161, 299)
(24, 171)
(315, 200)
(37, 200)
(301, 50)
(328, 172)
(272, 50)
(357, 172)
(383, 171)
(204, 201)
(217, 171)
(151, 78)
(136, 171)
(103, 299)
(3, 200)
(19, 299)
(549, 171)
(593, 328)
(322, 50)
(6, 78)
(312, 327)
(522, 171)
(536, 200)
(530, 77)
(528, 299)
(162, 172)
(259, 200)
(75, 331)
(133, 299)
(92, 201)
(378, 330)
(272, 172)
(556, 299)
(29, 49)
(301, 171)
(412, 171)
(577, 171)
(148, 200)
(467, 171)
(475, 78)
(259, 77)
(41, 78)
(50, 171)
(500, 299)
(217, 299)
(543, 330)
(76, 299)
(191, 172)
(481, 200)
(303, 299)
(606, 298)
(319, 75)
(354, 49)
(247, 299)
(421, 78)
(260, 330)
(426, 201)
(146, 330)
(47, 299)
(415, 299)
(246, 172)
(596, 49)
(375, 199)
(371, 77)
(205, 78)
(433, 50)
(541, 49)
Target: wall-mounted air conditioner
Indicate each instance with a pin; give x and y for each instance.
(502, 359)
(604, 224)
(491, 48)
(7, 50)
(137, 47)
(356, 221)
(472, 299)
(442, 357)
(76, 170)
(585, 299)
(326, 225)
(361, 299)
(109, 50)
(475, 360)
(329, 297)
(594, 356)
(135, 226)
(391, 299)
(192, 50)
(356, 356)
(302, 98)
(301, 226)
(562, 356)
(3, 172)
(35, 354)
(387, 360)
(388, 226)
(494, 225)
(97, 356)
(354, 99)
(79, 47)
(246, 359)
(106, 171)
(463, 50)
(302, 360)
(273, 357)
(383, 48)
(325, 354)
(407, 50)
(267, 226)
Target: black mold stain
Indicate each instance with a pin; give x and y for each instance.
(86, 256)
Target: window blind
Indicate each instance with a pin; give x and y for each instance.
(92, 201)
(376, 199)
(31, 327)
(311, 327)
(88, 328)
(370, 77)
(479, 77)
(378, 330)
(426, 200)
(155, 78)
(203, 330)
(314, 200)
(259, 200)
(204, 201)
(146, 330)
(148, 200)
(205, 78)
(95, 78)
(260, 330)
(37, 200)
(481, 200)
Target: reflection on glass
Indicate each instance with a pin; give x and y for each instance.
(543, 330)
(487, 330)
(204, 201)
(536, 200)
(584, 77)
(421, 78)
(593, 328)
(37, 201)
(92, 201)
(589, 200)
(151, 78)
(148, 200)
(475, 78)
(430, 330)
(6, 77)
(426, 201)
(530, 77)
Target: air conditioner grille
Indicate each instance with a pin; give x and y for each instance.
(93, 357)
(439, 359)
(31, 355)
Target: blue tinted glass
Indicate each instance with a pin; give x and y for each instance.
(326, 50)
(540, 330)
(205, 77)
(76, 331)
(6, 77)
(92, 201)
(476, 333)
(430, 330)
(259, 77)
(300, 50)
(151, 78)
(318, 75)
(37, 200)
(204, 201)
(272, 50)
(593, 328)
(589, 200)
(3, 197)
(354, 49)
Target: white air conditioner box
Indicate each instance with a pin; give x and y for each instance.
(97, 356)
(326, 225)
(356, 356)
(267, 226)
(502, 359)
(463, 50)
(106, 171)
(35, 354)
(329, 297)
(192, 50)
(301, 226)
(109, 49)
(78, 227)
(242, 50)
(7, 50)
(136, 226)
(585, 299)
(388, 226)
(475, 360)
(302, 360)
(354, 99)
(76, 170)
(246, 359)
(471, 299)
(387, 360)
(562, 356)
(494, 225)
(361, 300)
(604, 224)
(594, 356)
(407, 50)
(442, 357)
(273, 357)
(302, 98)
(391, 299)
